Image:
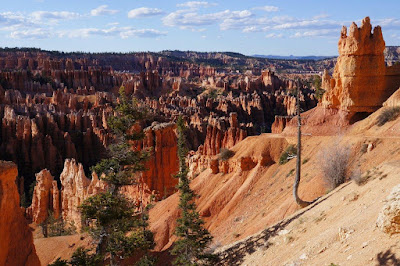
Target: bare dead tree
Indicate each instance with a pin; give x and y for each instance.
(296, 184)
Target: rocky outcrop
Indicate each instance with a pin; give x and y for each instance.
(163, 163)
(393, 100)
(158, 180)
(222, 135)
(279, 124)
(40, 132)
(75, 188)
(45, 198)
(389, 217)
(16, 245)
(360, 70)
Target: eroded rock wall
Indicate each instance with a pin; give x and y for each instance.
(16, 241)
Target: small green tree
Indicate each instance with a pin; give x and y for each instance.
(56, 227)
(80, 257)
(193, 238)
(115, 222)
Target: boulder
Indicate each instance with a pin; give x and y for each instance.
(389, 217)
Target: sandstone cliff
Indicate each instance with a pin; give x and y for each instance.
(360, 81)
(16, 245)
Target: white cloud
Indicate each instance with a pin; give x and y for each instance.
(274, 35)
(122, 32)
(113, 24)
(278, 23)
(11, 21)
(52, 16)
(268, 8)
(185, 19)
(306, 24)
(236, 20)
(395, 36)
(144, 12)
(316, 33)
(322, 15)
(143, 33)
(103, 10)
(196, 4)
(388, 23)
(251, 29)
(30, 34)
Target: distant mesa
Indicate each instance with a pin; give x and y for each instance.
(294, 57)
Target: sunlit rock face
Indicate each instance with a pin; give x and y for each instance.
(358, 81)
(16, 241)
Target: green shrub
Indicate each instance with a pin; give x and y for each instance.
(57, 227)
(212, 93)
(289, 153)
(225, 154)
(59, 262)
(388, 114)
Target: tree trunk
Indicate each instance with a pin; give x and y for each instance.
(298, 200)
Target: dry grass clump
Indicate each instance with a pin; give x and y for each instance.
(334, 164)
(225, 154)
(388, 114)
(357, 177)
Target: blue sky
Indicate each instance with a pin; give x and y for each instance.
(285, 27)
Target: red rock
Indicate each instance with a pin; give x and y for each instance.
(42, 197)
(16, 245)
(360, 70)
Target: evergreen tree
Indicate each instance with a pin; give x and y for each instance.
(193, 238)
(114, 221)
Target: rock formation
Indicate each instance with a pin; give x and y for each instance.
(45, 198)
(221, 135)
(39, 133)
(163, 163)
(74, 190)
(158, 180)
(16, 245)
(389, 218)
(361, 82)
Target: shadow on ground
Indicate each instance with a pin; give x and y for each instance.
(387, 258)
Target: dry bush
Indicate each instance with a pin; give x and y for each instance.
(334, 164)
(225, 154)
(357, 177)
(364, 148)
(388, 114)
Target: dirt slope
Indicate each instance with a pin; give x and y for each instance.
(340, 228)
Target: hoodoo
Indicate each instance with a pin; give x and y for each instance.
(361, 82)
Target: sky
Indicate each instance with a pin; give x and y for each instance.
(285, 27)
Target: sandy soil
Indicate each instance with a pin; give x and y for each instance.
(339, 228)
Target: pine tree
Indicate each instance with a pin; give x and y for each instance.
(193, 238)
(113, 219)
